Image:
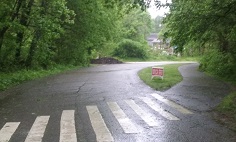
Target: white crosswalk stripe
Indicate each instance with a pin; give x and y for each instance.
(37, 130)
(147, 117)
(127, 125)
(98, 124)
(8, 130)
(172, 104)
(97, 120)
(67, 130)
(159, 109)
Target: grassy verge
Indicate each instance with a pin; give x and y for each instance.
(160, 58)
(171, 77)
(172, 58)
(226, 111)
(14, 78)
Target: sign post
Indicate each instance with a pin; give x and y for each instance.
(158, 71)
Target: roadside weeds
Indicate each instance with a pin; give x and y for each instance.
(225, 112)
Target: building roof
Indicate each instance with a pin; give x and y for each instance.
(156, 41)
(152, 36)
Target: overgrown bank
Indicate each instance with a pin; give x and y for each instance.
(226, 111)
(10, 79)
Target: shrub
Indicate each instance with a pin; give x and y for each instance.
(218, 63)
(129, 48)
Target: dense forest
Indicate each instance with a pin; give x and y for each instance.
(38, 34)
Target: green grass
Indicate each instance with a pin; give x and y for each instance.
(131, 59)
(227, 111)
(228, 104)
(171, 77)
(8, 80)
(160, 58)
(172, 58)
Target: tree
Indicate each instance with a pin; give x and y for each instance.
(210, 24)
(41, 33)
(9, 10)
(24, 22)
(47, 26)
(157, 24)
(28, 25)
(136, 25)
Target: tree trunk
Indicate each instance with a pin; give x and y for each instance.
(13, 16)
(224, 43)
(19, 41)
(36, 38)
(32, 49)
(24, 20)
(2, 33)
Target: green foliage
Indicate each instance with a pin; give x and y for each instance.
(220, 64)
(131, 40)
(128, 48)
(28, 32)
(158, 57)
(227, 111)
(38, 34)
(13, 78)
(204, 22)
(171, 77)
(157, 24)
(228, 104)
(136, 25)
(205, 28)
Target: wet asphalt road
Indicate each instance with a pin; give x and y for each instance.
(99, 86)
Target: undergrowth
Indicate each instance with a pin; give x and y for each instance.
(10, 79)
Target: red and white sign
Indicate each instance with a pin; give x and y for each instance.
(158, 71)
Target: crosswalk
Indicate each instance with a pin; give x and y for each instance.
(99, 126)
(68, 132)
(8, 129)
(154, 103)
(37, 130)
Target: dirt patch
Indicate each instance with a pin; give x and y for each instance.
(106, 60)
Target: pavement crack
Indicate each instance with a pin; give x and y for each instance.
(77, 96)
(81, 87)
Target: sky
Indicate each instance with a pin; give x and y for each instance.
(157, 12)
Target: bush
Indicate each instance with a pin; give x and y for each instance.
(228, 104)
(130, 49)
(218, 63)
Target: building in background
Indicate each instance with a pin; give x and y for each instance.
(159, 45)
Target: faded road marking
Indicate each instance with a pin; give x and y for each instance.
(127, 125)
(98, 124)
(7, 131)
(172, 104)
(37, 130)
(147, 117)
(67, 129)
(158, 109)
